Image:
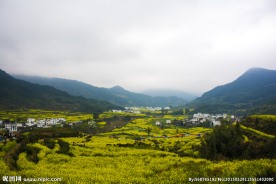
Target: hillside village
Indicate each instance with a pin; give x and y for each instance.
(13, 127)
(136, 110)
(199, 118)
(213, 119)
(195, 120)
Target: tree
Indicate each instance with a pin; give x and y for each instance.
(178, 112)
(187, 111)
(63, 147)
(226, 141)
(96, 115)
(148, 130)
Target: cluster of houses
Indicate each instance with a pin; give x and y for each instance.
(133, 110)
(136, 110)
(157, 108)
(213, 119)
(199, 118)
(31, 122)
(168, 122)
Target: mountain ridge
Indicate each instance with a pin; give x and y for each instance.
(168, 93)
(15, 93)
(116, 95)
(254, 91)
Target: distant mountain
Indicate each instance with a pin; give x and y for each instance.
(168, 93)
(137, 99)
(116, 95)
(253, 92)
(17, 94)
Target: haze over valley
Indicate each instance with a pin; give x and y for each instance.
(188, 46)
(140, 91)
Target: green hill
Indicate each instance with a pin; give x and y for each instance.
(116, 95)
(16, 94)
(237, 141)
(257, 132)
(264, 123)
(169, 92)
(252, 93)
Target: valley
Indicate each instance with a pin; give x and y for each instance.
(137, 92)
(227, 134)
(84, 150)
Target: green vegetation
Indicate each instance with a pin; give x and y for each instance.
(138, 151)
(152, 147)
(64, 147)
(238, 142)
(251, 93)
(101, 161)
(24, 114)
(266, 117)
(258, 133)
(264, 123)
(50, 143)
(115, 95)
(16, 94)
(32, 153)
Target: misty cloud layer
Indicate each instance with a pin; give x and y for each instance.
(188, 45)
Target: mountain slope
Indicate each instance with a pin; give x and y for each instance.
(168, 93)
(16, 93)
(139, 99)
(116, 95)
(253, 92)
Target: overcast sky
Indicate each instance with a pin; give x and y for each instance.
(189, 45)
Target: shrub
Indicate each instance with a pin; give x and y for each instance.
(32, 153)
(50, 143)
(64, 148)
(11, 156)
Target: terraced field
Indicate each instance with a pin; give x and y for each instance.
(138, 152)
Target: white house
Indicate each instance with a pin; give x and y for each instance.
(168, 121)
(216, 123)
(49, 122)
(116, 111)
(157, 123)
(19, 125)
(40, 125)
(194, 120)
(54, 121)
(202, 120)
(61, 119)
(11, 127)
(30, 120)
(89, 123)
(30, 123)
(198, 115)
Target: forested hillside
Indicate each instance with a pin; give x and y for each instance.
(115, 95)
(252, 93)
(16, 94)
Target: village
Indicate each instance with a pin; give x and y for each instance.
(137, 110)
(198, 119)
(213, 119)
(13, 127)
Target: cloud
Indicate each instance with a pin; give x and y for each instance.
(188, 45)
